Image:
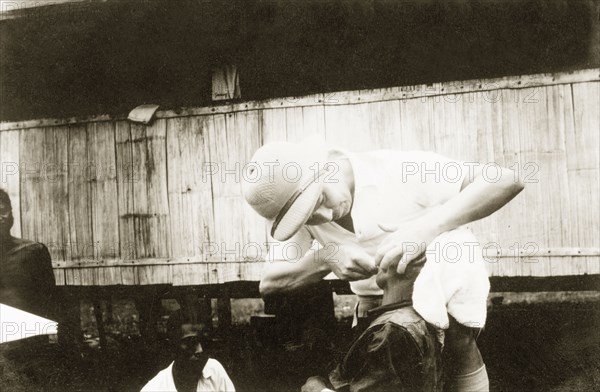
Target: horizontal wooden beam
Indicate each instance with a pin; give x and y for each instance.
(249, 289)
(490, 253)
(345, 97)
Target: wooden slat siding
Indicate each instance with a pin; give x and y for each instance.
(508, 231)
(384, 124)
(29, 173)
(274, 125)
(59, 277)
(560, 119)
(422, 122)
(314, 120)
(53, 198)
(158, 200)
(223, 192)
(188, 274)
(348, 127)
(583, 167)
(68, 273)
(80, 210)
(415, 132)
(294, 125)
(140, 214)
(274, 129)
(233, 141)
(179, 226)
(9, 159)
(226, 190)
(254, 238)
(127, 176)
(180, 218)
(533, 225)
(201, 197)
(104, 203)
(153, 274)
(190, 201)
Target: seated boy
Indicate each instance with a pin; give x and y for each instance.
(400, 350)
(192, 370)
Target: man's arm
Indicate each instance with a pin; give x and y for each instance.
(294, 264)
(477, 199)
(291, 265)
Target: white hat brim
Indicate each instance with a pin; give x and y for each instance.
(299, 212)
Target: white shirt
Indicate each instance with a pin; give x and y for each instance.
(396, 186)
(215, 379)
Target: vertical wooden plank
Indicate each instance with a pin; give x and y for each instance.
(199, 200)
(150, 192)
(54, 198)
(414, 125)
(104, 204)
(181, 230)
(68, 274)
(274, 125)
(556, 204)
(485, 122)
(384, 125)
(313, 118)
(226, 192)
(59, 277)
(509, 233)
(31, 181)
(112, 275)
(158, 202)
(140, 215)
(9, 171)
(80, 214)
(535, 225)
(127, 177)
(254, 228)
(232, 233)
(583, 160)
(189, 274)
(347, 126)
(128, 275)
(190, 186)
(154, 274)
(295, 125)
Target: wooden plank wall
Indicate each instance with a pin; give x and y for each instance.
(121, 203)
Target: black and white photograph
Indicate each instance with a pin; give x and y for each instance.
(299, 196)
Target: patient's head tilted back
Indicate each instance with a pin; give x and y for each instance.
(398, 287)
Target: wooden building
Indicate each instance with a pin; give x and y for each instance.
(119, 203)
(155, 209)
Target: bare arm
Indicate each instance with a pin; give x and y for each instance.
(283, 275)
(477, 199)
(307, 265)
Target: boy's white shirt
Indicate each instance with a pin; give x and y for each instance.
(395, 186)
(214, 379)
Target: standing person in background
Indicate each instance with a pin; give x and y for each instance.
(381, 209)
(26, 277)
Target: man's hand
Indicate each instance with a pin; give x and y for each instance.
(315, 384)
(350, 262)
(407, 242)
